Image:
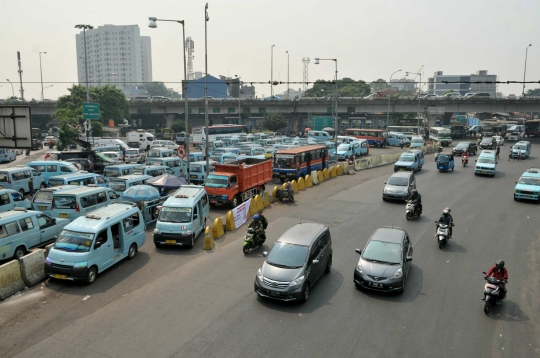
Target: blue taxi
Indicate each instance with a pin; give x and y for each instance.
(528, 186)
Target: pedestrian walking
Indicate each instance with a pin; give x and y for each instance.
(401, 143)
(31, 186)
(519, 155)
(498, 152)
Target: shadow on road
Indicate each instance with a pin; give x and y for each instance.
(453, 246)
(508, 311)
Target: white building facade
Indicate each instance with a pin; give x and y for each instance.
(118, 50)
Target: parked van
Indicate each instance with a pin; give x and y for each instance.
(121, 184)
(152, 170)
(94, 242)
(356, 148)
(183, 217)
(257, 136)
(319, 136)
(79, 178)
(346, 139)
(7, 155)
(198, 171)
(111, 148)
(118, 170)
(486, 163)
(177, 165)
(223, 158)
(218, 151)
(50, 168)
(11, 199)
(17, 178)
(42, 199)
(70, 204)
(410, 160)
(160, 153)
(22, 230)
(523, 148)
(394, 139)
(417, 142)
(195, 156)
(111, 142)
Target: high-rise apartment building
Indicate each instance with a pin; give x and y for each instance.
(440, 83)
(117, 55)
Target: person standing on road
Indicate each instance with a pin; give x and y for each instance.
(401, 143)
(498, 152)
(31, 185)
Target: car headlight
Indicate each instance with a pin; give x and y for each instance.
(359, 268)
(260, 275)
(80, 264)
(297, 282)
(398, 274)
(518, 191)
(48, 259)
(157, 231)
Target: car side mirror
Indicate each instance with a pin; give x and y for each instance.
(265, 253)
(358, 251)
(97, 245)
(516, 182)
(476, 160)
(315, 262)
(408, 259)
(195, 216)
(384, 182)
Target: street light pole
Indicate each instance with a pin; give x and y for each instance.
(525, 71)
(288, 91)
(108, 75)
(46, 88)
(85, 27)
(12, 92)
(419, 93)
(239, 115)
(272, 72)
(388, 109)
(336, 119)
(206, 18)
(41, 75)
(152, 24)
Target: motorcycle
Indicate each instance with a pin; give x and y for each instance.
(282, 194)
(464, 160)
(412, 210)
(492, 293)
(443, 234)
(251, 240)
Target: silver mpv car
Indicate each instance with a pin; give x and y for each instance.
(295, 263)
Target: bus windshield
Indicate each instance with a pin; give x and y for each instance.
(284, 161)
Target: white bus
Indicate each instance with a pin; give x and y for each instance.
(408, 131)
(229, 130)
(440, 135)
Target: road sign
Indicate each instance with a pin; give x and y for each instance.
(91, 110)
(320, 122)
(435, 110)
(15, 127)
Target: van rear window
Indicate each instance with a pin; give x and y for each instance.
(64, 202)
(4, 177)
(9, 229)
(117, 185)
(57, 182)
(43, 196)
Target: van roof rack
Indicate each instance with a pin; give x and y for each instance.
(20, 209)
(93, 216)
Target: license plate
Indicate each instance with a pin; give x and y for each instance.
(170, 242)
(213, 201)
(64, 215)
(273, 293)
(484, 171)
(193, 176)
(283, 175)
(373, 284)
(525, 195)
(61, 277)
(42, 207)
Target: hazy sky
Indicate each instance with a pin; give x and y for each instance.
(370, 38)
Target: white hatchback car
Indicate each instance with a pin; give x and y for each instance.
(515, 137)
(499, 139)
(113, 156)
(169, 144)
(135, 156)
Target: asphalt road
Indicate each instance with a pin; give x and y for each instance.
(190, 303)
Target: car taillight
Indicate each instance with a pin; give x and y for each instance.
(9, 180)
(77, 208)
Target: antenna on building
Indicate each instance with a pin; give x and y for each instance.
(305, 61)
(190, 46)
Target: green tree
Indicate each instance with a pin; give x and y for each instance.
(533, 92)
(448, 91)
(378, 85)
(68, 127)
(346, 87)
(97, 129)
(274, 121)
(158, 89)
(179, 126)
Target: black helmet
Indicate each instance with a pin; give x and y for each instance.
(446, 211)
(414, 191)
(499, 264)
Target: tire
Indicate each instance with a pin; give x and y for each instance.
(245, 249)
(261, 191)
(305, 294)
(384, 199)
(21, 191)
(157, 245)
(132, 251)
(42, 186)
(487, 307)
(440, 245)
(91, 275)
(515, 199)
(328, 265)
(19, 252)
(452, 169)
(282, 180)
(234, 202)
(192, 243)
(408, 216)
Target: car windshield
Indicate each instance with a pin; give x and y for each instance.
(116, 185)
(74, 241)
(4, 177)
(43, 196)
(383, 252)
(217, 181)
(443, 158)
(398, 181)
(175, 215)
(529, 181)
(515, 133)
(417, 140)
(486, 160)
(64, 202)
(195, 168)
(287, 255)
(487, 140)
(462, 145)
(520, 147)
(445, 135)
(406, 158)
(111, 172)
(284, 161)
(343, 147)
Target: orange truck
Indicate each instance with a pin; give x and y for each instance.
(235, 182)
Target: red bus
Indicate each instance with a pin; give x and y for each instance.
(297, 162)
(375, 137)
(532, 128)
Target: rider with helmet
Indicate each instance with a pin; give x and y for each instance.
(446, 219)
(257, 225)
(417, 198)
(499, 272)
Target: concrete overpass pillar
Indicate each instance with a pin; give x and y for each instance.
(169, 119)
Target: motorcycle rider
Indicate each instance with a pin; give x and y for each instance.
(264, 224)
(499, 272)
(465, 156)
(290, 189)
(446, 219)
(417, 199)
(257, 226)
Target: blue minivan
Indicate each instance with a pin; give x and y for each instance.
(80, 178)
(357, 148)
(410, 160)
(118, 170)
(50, 168)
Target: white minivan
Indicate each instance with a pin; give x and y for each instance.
(18, 179)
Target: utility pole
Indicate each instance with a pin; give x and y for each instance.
(20, 74)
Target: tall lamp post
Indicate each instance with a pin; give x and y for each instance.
(336, 124)
(107, 75)
(388, 109)
(45, 88)
(239, 115)
(419, 93)
(41, 75)
(152, 24)
(84, 28)
(12, 92)
(206, 18)
(288, 91)
(272, 72)
(525, 71)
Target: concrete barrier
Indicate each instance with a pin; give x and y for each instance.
(315, 177)
(258, 202)
(332, 172)
(217, 229)
(274, 194)
(384, 159)
(301, 184)
(252, 208)
(229, 221)
(209, 242)
(11, 280)
(346, 168)
(309, 181)
(339, 170)
(48, 248)
(326, 174)
(320, 176)
(295, 186)
(32, 267)
(266, 200)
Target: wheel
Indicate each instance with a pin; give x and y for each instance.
(132, 251)
(157, 245)
(305, 294)
(487, 307)
(261, 192)
(212, 204)
(408, 216)
(192, 243)
(395, 170)
(245, 249)
(440, 170)
(234, 202)
(19, 252)
(328, 265)
(515, 199)
(440, 245)
(282, 180)
(384, 199)
(42, 186)
(91, 275)
(420, 168)
(21, 191)
(452, 168)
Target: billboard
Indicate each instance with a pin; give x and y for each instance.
(15, 127)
